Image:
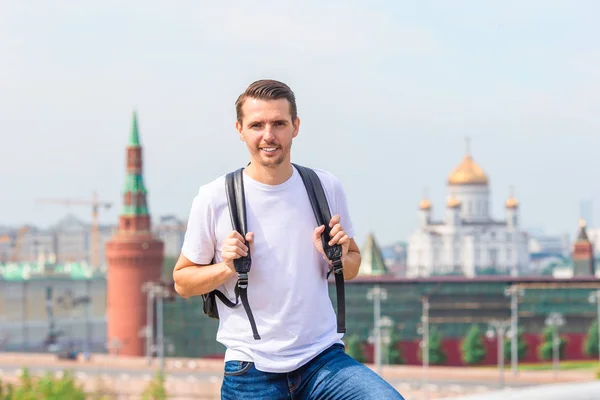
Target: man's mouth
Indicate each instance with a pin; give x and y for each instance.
(269, 149)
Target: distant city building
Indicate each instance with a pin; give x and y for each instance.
(394, 256)
(171, 230)
(548, 251)
(70, 240)
(583, 254)
(47, 307)
(594, 236)
(468, 241)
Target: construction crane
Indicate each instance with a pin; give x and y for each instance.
(95, 204)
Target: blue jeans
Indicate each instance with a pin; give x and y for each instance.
(333, 374)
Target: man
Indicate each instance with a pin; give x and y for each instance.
(299, 354)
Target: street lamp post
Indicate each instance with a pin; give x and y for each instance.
(377, 294)
(555, 320)
(499, 330)
(3, 335)
(385, 325)
(148, 288)
(514, 292)
(424, 330)
(161, 294)
(154, 291)
(595, 298)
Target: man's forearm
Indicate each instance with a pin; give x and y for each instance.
(351, 264)
(196, 280)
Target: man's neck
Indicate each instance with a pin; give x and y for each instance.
(270, 176)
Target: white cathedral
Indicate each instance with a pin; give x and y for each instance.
(468, 241)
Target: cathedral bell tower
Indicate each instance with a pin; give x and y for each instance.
(424, 212)
(469, 184)
(134, 257)
(512, 209)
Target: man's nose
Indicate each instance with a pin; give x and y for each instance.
(269, 132)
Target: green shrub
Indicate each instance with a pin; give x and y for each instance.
(473, 350)
(546, 348)
(155, 389)
(48, 388)
(590, 345)
(354, 348)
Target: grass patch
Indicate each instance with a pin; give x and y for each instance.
(563, 365)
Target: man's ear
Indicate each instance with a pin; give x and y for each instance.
(238, 127)
(296, 127)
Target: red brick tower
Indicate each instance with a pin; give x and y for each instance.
(583, 254)
(134, 256)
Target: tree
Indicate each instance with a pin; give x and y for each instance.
(473, 350)
(354, 348)
(391, 352)
(522, 347)
(591, 342)
(436, 353)
(545, 350)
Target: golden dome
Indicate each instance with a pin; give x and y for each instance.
(468, 172)
(453, 202)
(511, 202)
(425, 204)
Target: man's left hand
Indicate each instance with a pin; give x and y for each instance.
(337, 234)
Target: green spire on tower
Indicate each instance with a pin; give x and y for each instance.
(134, 138)
(372, 258)
(134, 189)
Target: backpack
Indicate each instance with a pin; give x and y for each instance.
(234, 188)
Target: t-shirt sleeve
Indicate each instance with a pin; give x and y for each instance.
(199, 240)
(341, 203)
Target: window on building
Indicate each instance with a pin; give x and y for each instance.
(493, 257)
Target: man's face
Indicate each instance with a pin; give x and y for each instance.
(268, 130)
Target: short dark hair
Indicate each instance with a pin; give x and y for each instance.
(267, 89)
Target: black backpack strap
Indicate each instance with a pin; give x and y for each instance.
(234, 187)
(320, 207)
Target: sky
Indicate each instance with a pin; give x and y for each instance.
(387, 92)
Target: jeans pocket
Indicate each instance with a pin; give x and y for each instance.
(233, 368)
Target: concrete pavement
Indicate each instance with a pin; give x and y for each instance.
(558, 391)
(188, 377)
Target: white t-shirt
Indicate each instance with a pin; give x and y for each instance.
(287, 286)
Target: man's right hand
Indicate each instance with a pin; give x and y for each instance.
(195, 279)
(234, 247)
